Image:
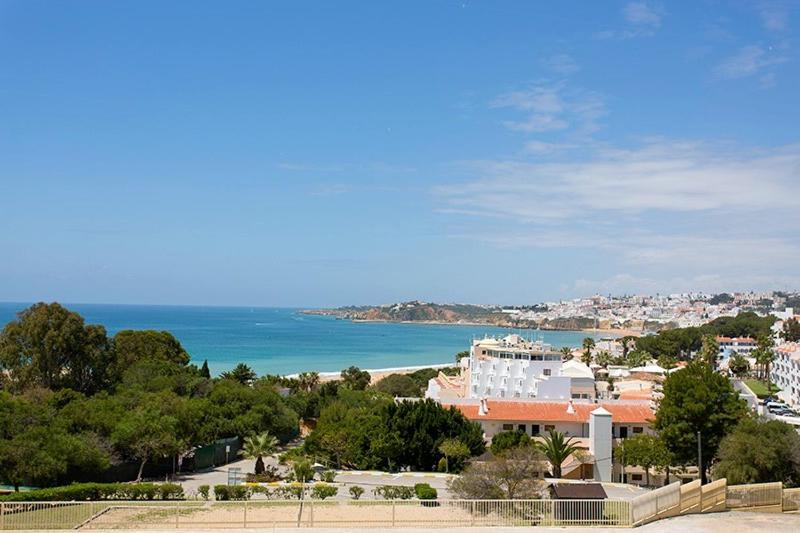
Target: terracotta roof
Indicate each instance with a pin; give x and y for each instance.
(740, 340)
(557, 412)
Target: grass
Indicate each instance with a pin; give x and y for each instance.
(62, 517)
(759, 388)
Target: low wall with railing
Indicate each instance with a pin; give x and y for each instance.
(756, 497)
(308, 513)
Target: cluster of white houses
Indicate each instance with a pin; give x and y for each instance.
(511, 383)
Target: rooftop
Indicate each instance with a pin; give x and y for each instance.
(638, 413)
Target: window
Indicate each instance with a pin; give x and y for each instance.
(534, 429)
(636, 477)
(638, 429)
(548, 427)
(508, 427)
(546, 371)
(521, 427)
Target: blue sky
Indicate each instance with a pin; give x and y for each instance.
(331, 153)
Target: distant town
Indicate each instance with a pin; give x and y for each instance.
(634, 314)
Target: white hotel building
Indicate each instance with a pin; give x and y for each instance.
(515, 368)
(786, 372)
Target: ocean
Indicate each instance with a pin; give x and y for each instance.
(285, 341)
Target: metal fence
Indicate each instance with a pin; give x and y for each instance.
(308, 513)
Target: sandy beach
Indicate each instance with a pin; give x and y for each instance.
(379, 373)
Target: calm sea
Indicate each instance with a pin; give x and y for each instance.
(284, 341)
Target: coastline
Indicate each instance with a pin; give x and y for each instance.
(377, 374)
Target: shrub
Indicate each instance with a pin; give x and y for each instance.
(293, 491)
(425, 492)
(203, 490)
(394, 492)
(441, 466)
(323, 490)
(269, 475)
(327, 476)
(356, 492)
(239, 492)
(101, 491)
(221, 492)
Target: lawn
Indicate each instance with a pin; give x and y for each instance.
(759, 388)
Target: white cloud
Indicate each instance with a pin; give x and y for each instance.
(774, 15)
(562, 64)
(642, 20)
(642, 14)
(667, 176)
(748, 61)
(552, 107)
(547, 148)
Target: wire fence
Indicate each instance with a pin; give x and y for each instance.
(313, 513)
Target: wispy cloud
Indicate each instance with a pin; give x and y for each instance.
(551, 107)
(562, 63)
(749, 60)
(642, 19)
(774, 14)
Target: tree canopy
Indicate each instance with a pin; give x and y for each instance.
(697, 399)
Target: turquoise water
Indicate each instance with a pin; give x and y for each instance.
(284, 341)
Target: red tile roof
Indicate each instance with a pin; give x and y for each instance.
(557, 412)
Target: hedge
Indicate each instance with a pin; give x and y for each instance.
(100, 491)
(425, 491)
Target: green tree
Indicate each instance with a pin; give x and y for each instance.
(556, 447)
(566, 351)
(638, 358)
(132, 346)
(257, 446)
(505, 440)
(709, 350)
(50, 346)
(460, 355)
(764, 356)
(588, 346)
(791, 330)
(759, 451)
(354, 378)
(604, 358)
(241, 374)
(454, 451)
(697, 400)
(204, 371)
(399, 385)
(644, 450)
(308, 381)
(738, 365)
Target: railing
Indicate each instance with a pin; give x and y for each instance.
(308, 513)
(655, 504)
(754, 495)
(791, 499)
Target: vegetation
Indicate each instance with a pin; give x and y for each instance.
(697, 400)
(354, 378)
(455, 453)
(364, 430)
(393, 492)
(424, 491)
(256, 447)
(506, 440)
(356, 492)
(738, 365)
(643, 450)
(100, 491)
(791, 330)
(79, 405)
(512, 475)
(411, 385)
(760, 388)
(556, 447)
(758, 452)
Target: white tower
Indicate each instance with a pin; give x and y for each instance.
(600, 443)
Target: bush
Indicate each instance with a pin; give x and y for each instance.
(505, 440)
(323, 490)
(425, 491)
(203, 490)
(356, 492)
(101, 491)
(327, 476)
(221, 492)
(441, 466)
(270, 474)
(288, 492)
(394, 492)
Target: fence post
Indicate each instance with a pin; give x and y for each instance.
(392, 513)
(472, 513)
(244, 516)
(177, 513)
(2, 516)
(311, 512)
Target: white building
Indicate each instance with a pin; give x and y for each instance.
(786, 372)
(515, 368)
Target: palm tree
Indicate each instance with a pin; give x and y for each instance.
(566, 351)
(556, 448)
(257, 446)
(588, 346)
(308, 381)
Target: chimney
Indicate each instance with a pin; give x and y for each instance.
(483, 408)
(570, 408)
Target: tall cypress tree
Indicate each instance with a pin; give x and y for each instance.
(204, 372)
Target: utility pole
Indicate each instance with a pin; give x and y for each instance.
(700, 456)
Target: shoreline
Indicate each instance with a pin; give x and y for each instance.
(376, 374)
